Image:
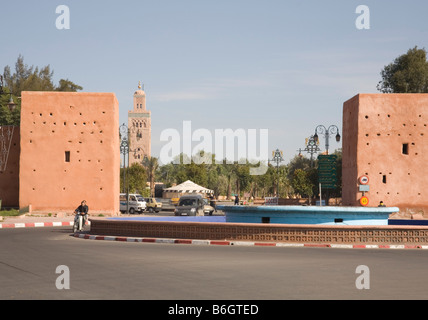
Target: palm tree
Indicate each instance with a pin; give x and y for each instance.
(151, 164)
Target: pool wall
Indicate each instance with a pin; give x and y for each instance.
(326, 215)
(263, 232)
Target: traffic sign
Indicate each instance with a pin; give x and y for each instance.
(364, 201)
(327, 171)
(363, 179)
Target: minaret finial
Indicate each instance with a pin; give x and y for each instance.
(139, 85)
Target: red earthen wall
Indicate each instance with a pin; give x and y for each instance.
(69, 151)
(385, 137)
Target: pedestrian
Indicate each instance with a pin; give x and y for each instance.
(381, 204)
(236, 200)
(212, 202)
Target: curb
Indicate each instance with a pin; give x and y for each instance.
(35, 224)
(245, 243)
(205, 242)
(38, 224)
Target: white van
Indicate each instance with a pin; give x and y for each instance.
(136, 203)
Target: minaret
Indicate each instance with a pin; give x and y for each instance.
(139, 124)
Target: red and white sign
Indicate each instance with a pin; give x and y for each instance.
(364, 201)
(363, 179)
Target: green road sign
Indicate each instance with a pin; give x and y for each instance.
(327, 171)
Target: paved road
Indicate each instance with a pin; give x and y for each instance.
(117, 270)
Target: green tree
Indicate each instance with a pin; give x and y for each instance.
(215, 180)
(136, 177)
(337, 192)
(298, 162)
(243, 178)
(5, 116)
(67, 86)
(165, 174)
(196, 173)
(285, 187)
(263, 184)
(151, 165)
(407, 74)
(27, 78)
(302, 183)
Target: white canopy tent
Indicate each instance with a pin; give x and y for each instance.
(187, 187)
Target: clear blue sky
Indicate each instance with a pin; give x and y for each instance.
(285, 66)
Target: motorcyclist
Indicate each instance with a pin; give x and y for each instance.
(83, 210)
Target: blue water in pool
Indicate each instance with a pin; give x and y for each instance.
(182, 218)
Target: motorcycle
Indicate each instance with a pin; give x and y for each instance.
(78, 222)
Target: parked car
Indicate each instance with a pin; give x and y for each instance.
(208, 208)
(153, 205)
(136, 203)
(193, 205)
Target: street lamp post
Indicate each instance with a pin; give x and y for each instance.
(327, 132)
(311, 147)
(10, 104)
(124, 149)
(277, 157)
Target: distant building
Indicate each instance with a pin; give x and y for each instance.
(68, 151)
(385, 138)
(139, 124)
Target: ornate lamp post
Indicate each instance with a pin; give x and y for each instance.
(327, 132)
(277, 157)
(311, 147)
(10, 104)
(124, 149)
